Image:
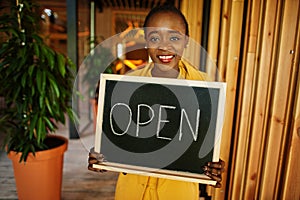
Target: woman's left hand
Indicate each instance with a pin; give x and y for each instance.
(214, 170)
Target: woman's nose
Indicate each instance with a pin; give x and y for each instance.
(164, 45)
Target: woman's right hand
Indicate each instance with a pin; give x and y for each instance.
(95, 158)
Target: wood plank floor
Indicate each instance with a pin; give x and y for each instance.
(78, 182)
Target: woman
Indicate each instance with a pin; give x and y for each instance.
(166, 34)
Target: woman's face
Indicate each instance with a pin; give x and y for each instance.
(166, 40)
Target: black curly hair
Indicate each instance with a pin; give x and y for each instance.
(164, 9)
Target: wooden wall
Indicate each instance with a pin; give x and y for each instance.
(255, 44)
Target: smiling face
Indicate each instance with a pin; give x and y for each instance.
(166, 40)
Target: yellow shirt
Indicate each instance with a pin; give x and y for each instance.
(138, 187)
(186, 71)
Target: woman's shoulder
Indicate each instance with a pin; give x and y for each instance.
(143, 70)
(192, 73)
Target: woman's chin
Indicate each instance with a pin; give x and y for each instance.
(162, 70)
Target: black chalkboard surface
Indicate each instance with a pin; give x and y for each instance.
(158, 126)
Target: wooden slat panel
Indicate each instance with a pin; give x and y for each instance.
(292, 177)
(231, 68)
(213, 37)
(290, 189)
(280, 99)
(194, 18)
(264, 76)
(224, 41)
(242, 133)
(222, 67)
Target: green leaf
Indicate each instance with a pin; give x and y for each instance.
(30, 18)
(70, 64)
(54, 86)
(30, 70)
(32, 149)
(36, 49)
(41, 101)
(4, 48)
(16, 93)
(43, 81)
(32, 126)
(49, 123)
(22, 54)
(13, 32)
(48, 106)
(48, 53)
(61, 64)
(39, 130)
(39, 80)
(25, 153)
(23, 80)
(51, 58)
(37, 38)
(32, 91)
(72, 115)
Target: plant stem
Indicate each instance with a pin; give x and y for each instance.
(20, 6)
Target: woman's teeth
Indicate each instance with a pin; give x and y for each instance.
(166, 59)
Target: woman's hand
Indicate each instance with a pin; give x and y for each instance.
(214, 170)
(95, 158)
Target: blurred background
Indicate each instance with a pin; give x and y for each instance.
(255, 48)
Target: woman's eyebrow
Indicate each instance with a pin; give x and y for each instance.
(152, 32)
(176, 32)
(169, 31)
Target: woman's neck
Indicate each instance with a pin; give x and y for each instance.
(172, 73)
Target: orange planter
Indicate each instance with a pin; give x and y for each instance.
(40, 178)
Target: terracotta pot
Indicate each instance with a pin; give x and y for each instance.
(40, 178)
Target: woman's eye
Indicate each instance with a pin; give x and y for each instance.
(174, 38)
(154, 39)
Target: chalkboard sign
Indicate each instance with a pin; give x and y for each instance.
(159, 126)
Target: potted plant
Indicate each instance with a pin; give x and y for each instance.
(37, 84)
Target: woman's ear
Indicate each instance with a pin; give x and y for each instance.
(186, 41)
(146, 43)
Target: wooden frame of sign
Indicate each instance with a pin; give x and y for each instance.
(161, 127)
